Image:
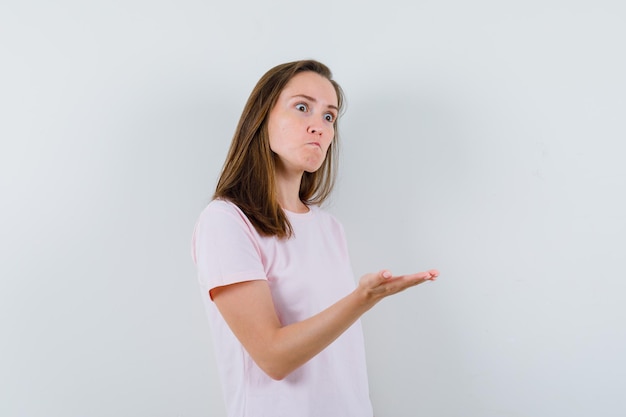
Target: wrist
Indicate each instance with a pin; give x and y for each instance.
(363, 298)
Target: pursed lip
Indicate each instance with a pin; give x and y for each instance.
(316, 144)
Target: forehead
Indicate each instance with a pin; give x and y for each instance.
(311, 84)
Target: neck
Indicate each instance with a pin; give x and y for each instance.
(288, 192)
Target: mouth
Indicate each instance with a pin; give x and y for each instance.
(316, 144)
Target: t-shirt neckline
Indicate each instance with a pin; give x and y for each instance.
(299, 215)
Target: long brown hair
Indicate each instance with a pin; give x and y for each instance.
(247, 178)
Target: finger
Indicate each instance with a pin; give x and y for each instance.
(427, 276)
(376, 279)
(434, 274)
(416, 276)
(401, 283)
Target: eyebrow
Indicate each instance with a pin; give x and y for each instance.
(314, 100)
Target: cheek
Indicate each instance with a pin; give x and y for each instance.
(277, 140)
(274, 128)
(330, 142)
(274, 136)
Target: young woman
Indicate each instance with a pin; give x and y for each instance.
(274, 268)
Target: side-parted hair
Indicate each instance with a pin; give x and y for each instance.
(248, 175)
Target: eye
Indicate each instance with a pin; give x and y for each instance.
(302, 107)
(329, 117)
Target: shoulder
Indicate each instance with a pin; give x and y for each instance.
(222, 210)
(222, 217)
(221, 206)
(222, 225)
(325, 217)
(323, 213)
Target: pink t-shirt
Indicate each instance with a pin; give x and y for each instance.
(306, 274)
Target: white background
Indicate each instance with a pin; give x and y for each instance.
(483, 138)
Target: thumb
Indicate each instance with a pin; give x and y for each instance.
(374, 279)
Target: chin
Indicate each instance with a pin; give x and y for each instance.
(313, 169)
(312, 165)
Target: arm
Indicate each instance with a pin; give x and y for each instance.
(249, 311)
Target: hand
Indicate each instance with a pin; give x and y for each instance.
(382, 284)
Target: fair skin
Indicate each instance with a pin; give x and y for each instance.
(301, 130)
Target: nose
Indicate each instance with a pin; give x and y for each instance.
(316, 129)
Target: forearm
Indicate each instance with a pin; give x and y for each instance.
(293, 345)
(249, 310)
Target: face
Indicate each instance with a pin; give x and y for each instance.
(301, 123)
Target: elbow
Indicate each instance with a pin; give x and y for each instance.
(277, 376)
(276, 371)
(277, 361)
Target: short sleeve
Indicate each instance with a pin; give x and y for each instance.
(225, 247)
